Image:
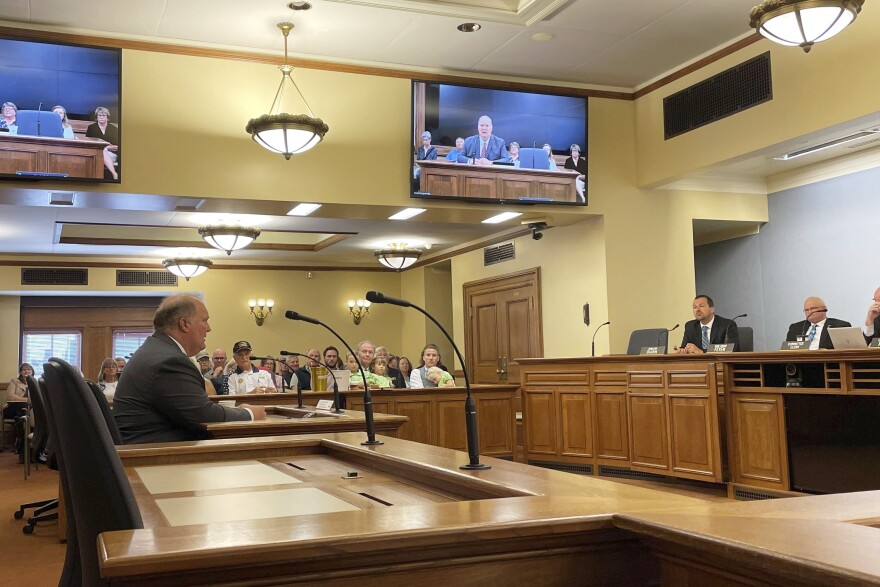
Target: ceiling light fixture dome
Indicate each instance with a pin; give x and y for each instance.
(229, 238)
(397, 256)
(287, 133)
(187, 267)
(803, 23)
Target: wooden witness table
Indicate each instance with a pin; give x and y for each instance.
(77, 158)
(306, 420)
(436, 415)
(445, 178)
(408, 517)
(713, 417)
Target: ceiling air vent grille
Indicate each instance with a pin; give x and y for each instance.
(740, 87)
(499, 254)
(50, 276)
(135, 277)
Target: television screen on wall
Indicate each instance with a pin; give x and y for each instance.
(59, 112)
(495, 145)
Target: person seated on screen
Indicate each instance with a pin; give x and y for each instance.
(871, 327)
(550, 158)
(102, 129)
(459, 147)
(815, 328)
(61, 111)
(706, 329)
(483, 148)
(514, 154)
(107, 378)
(426, 151)
(246, 378)
(8, 111)
(440, 378)
(579, 164)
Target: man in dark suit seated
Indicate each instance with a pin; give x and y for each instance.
(815, 328)
(483, 148)
(871, 328)
(706, 329)
(162, 397)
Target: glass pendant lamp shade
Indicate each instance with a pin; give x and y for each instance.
(187, 267)
(229, 238)
(397, 256)
(802, 23)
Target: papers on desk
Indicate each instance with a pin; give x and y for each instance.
(252, 505)
(206, 476)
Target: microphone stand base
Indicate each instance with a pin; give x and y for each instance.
(477, 467)
(372, 443)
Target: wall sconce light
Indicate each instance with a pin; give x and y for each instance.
(260, 309)
(363, 308)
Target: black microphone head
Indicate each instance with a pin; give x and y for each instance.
(375, 297)
(674, 327)
(291, 315)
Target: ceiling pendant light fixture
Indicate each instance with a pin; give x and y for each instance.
(187, 267)
(803, 23)
(287, 133)
(229, 238)
(397, 256)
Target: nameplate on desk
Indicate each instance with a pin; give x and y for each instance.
(875, 344)
(721, 348)
(324, 404)
(653, 350)
(794, 345)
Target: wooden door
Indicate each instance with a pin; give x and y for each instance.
(504, 323)
(760, 450)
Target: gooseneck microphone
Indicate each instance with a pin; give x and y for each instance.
(368, 397)
(470, 408)
(39, 111)
(329, 370)
(732, 320)
(597, 332)
(667, 331)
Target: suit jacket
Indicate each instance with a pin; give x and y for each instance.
(162, 397)
(800, 328)
(581, 166)
(396, 378)
(868, 339)
(723, 331)
(495, 149)
(304, 378)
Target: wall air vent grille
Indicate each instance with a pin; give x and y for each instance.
(625, 473)
(739, 88)
(135, 277)
(52, 276)
(499, 254)
(567, 467)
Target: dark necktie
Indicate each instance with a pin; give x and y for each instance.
(483, 151)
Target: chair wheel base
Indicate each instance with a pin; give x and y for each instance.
(18, 515)
(28, 529)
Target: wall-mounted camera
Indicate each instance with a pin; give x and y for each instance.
(537, 227)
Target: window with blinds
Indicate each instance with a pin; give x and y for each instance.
(38, 347)
(126, 342)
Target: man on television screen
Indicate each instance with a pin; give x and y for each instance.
(483, 148)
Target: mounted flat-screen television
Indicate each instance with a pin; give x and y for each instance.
(59, 112)
(493, 145)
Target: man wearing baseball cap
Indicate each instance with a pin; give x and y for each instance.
(164, 398)
(246, 378)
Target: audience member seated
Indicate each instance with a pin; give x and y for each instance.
(268, 365)
(351, 363)
(120, 365)
(430, 358)
(304, 374)
(379, 369)
(579, 164)
(440, 378)
(514, 154)
(8, 114)
(162, 398)
(551, 161)
(815, 328)
(292, 367)
(17, 391)
(393, 374)
(405, 367)
(203, 360)
(331, 357)
(459, 147)
(218, 362)
(246, 378)
(61, 111)
(107, 378)
(102, 129)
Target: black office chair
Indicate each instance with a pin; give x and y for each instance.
(44, 508)
(746, 339)
(101, 499)
(112, 426)
(646, 337)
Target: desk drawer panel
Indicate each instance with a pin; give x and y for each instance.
(554, 377)
(645, 378)
(693, 379)
(612, 378)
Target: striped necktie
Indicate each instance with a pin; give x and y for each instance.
(705, 340)
(483, 150)
(812, 333)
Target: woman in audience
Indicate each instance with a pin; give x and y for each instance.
(579, 164)
(107, 378)
(102, 129)
(405, 368)
(430, 358)
(120, 365)
(17, 391)
(8, 113)
(269, 366)
(65, 123)
(392, 361)
(552, 161)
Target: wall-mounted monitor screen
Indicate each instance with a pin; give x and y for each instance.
(59, 112)
(493, 145)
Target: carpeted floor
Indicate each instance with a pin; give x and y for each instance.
(33, 560)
